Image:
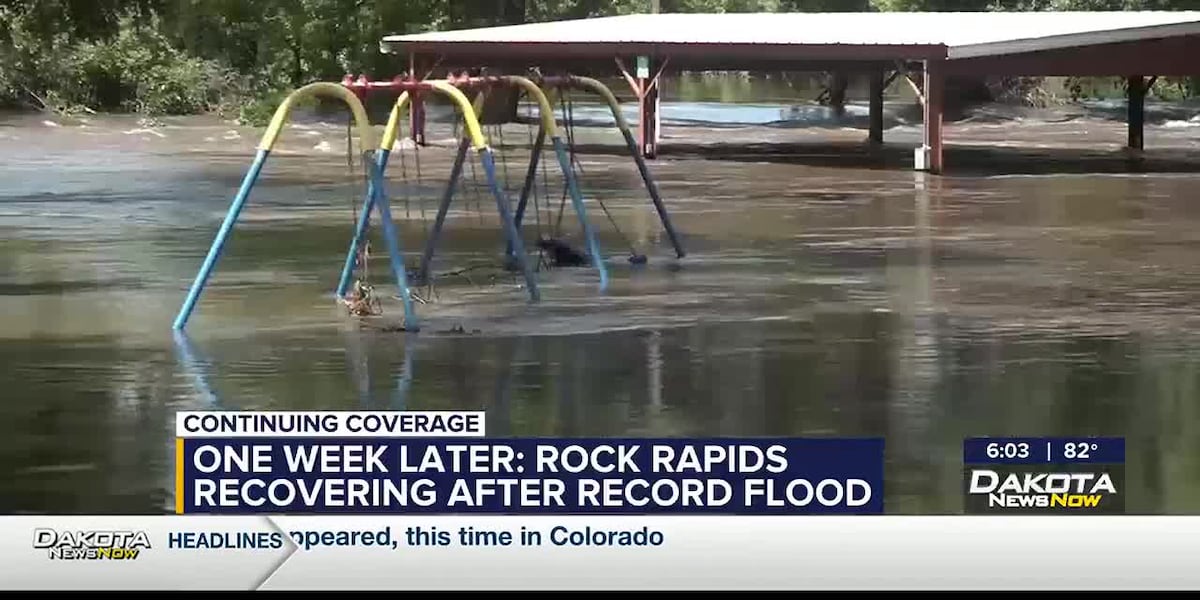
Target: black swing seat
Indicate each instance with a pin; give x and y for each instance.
(558, 253)
(561, 254)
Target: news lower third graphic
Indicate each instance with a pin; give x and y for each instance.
(1044, 475)
(406, 463)
(420, 501)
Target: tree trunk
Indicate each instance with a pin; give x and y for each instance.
(837, 92)
(512, 12)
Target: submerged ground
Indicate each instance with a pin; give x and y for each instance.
(825, 293)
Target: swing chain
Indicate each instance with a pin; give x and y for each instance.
(568, 108)
(361, 301)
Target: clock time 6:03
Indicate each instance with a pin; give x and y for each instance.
(1008, 450)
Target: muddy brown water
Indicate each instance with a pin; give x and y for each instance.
(1049, 288)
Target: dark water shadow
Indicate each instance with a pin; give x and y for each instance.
(959, 159)
(984, 160)
(42, 288)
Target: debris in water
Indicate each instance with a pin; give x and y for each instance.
(387, 328)
(143, 130)
(361, 302)
(64, 468)
(459, 329)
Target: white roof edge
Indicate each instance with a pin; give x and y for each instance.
(1090, 38)
(1021, 33)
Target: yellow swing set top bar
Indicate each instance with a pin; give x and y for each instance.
(470, 112)
(359, 112)
(335, 90)
(601, 89)
(391, 131)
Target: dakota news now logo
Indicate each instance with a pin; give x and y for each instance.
(1016, 489)
(91, 545)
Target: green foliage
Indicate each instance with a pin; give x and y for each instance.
(187, 56)
(138, 70)
(258, 110)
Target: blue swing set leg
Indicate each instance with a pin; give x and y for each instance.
(375, 195)
(439, 220)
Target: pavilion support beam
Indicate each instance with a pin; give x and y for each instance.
(875, 102)
(416, 104)
(646, 90)
(648, 122)
(930, 155)
(1136, 119)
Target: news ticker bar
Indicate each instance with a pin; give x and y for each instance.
(600, 553)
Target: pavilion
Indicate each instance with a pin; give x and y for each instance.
(923, 47)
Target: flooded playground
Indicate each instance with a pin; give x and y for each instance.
(1045, 286)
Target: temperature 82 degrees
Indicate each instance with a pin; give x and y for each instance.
(1025, 451)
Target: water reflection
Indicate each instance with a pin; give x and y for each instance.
(852, 377)
(196, 370)
(841, 373)
(371, 396)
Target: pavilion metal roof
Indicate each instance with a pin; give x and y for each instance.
(936, 34)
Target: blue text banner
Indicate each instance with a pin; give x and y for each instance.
(530, 476)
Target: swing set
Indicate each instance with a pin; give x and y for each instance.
(375, 160)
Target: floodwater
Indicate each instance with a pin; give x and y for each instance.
(827, 290)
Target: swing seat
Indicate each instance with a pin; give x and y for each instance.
(562, 254)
